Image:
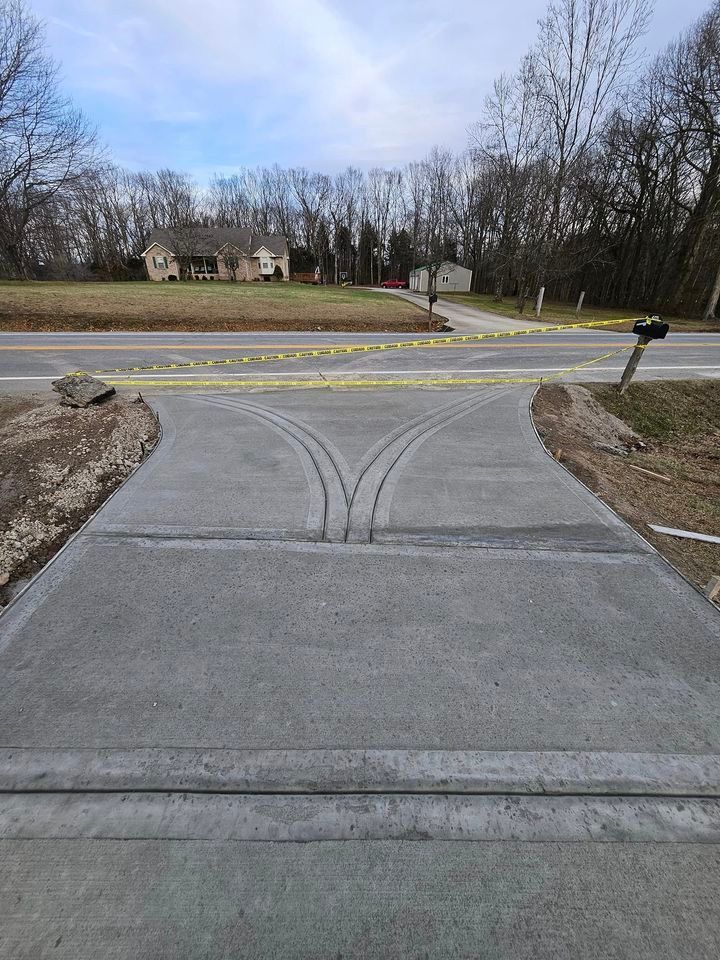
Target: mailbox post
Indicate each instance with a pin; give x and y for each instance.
(651, 328)
(432, 298)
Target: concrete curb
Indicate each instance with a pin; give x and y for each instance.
(360, 771)
(305, 819)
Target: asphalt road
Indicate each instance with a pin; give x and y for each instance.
(31, 361)
(357, 673)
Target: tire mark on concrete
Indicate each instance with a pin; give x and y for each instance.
(338, 462)
(351, 501)
(389, 451)
(386, 487)
(330, 507)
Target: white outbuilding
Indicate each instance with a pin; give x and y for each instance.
(451, 278)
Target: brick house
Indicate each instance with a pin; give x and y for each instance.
(215, 253)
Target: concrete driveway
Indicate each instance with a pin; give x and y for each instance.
(362, 674)
(464, 318)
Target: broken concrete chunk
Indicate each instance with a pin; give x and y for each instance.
(611, 448)
(80, 390)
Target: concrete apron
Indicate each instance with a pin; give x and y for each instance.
(323, 502)
(323, 795)
(322, 817)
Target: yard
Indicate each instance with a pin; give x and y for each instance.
(65, 305)
(652, 454)
(557, 312)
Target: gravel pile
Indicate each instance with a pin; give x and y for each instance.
(58, 465)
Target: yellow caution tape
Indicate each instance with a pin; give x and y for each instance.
(439, 381)
(364, 348)
(332, 382)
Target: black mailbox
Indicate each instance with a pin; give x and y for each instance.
(652, 327)
(433, 298)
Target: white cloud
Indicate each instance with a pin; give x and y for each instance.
(319, 82)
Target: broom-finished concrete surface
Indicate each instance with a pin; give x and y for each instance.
(312, 617)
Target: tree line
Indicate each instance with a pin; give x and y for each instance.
(589, 169)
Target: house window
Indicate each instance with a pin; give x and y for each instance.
(160, 263)
(266, 265)
(445, 278)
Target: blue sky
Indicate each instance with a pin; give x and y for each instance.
(207, 87)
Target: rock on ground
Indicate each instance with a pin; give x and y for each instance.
(80, 390)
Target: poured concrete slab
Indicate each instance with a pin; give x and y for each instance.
(77, 899)
(388, 466)
(279, 645)
(381, 772)
(319, 817)
(223, 474)
(483, 477)
(324, 575)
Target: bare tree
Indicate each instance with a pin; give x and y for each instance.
(580, 61)
(510, 138)
(312, 193)
(230, 260)
(45, 144)
(691, 107)
(343, 204)
(384, 201)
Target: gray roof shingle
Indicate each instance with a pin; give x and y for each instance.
(206, 241)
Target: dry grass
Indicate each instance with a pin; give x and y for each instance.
(201, 306)
(556, 312)
(679, 423)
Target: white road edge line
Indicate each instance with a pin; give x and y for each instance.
(339, 372)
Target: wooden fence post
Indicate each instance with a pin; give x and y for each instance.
(633, 362)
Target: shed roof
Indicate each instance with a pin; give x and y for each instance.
(446, 263)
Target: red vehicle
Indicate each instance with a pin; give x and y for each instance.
(394, 284)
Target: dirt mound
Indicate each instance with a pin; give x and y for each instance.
(667, 473)
(58, 466)
(578, 413)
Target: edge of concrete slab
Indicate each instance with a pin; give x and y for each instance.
(306, 819)
(336, 771)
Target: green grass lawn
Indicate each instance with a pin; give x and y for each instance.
(554, 311)
(200, 305)
(666, 409)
